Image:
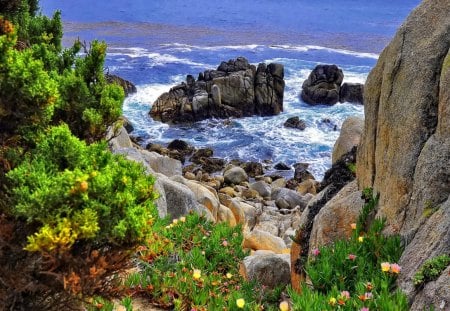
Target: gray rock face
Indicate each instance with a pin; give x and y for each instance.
(262, 188)
(270, 270)
(235, 89)
(235, 175)
(323, 85)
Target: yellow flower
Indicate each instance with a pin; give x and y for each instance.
(229, 275)
(240, 303)
(385, 266)
(175, 221)
(361, 239)
(353, 226)
(284, 306)
(196, 274)
(183, 219)
(332, 301)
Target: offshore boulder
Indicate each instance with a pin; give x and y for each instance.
(236, 89)
(324, 86)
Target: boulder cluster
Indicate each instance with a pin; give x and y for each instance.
(235, 89)
(324, 86)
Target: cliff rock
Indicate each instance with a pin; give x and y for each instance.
(404, 152)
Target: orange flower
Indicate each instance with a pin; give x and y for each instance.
(353, 225)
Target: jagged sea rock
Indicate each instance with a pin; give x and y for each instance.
(235, 89)
(352, 93)
(323, 85)
(128, 87)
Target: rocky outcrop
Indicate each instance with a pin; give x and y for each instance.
(235, 89)
(127, 86)
(323, 86)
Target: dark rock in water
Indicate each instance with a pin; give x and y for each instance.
(253, 169)
(200, 154)
(301, 172)
(352, 93)
(327, 123)
(296, 123)
(178, 144)
(157, 148)
(235, 89)
(128, 87)
(282, 167)
(323, 85)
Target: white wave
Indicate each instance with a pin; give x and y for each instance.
(156, 59)
(188, 48)
(305, 48)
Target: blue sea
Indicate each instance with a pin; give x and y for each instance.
(155, 44)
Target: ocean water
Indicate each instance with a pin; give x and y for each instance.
(155, 44)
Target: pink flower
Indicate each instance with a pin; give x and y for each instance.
(345, 294)
(351, 257)
(368, 296)
(395, 268)
(225, 243)
(316, 252)
(364, 309)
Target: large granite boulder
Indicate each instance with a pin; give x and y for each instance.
(235, 89)
(268, 269)
(349, 137)
(404, 152)
(323, 85)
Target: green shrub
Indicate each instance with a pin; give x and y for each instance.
(88, 104)
(74, 192)
(431, 269)
(27, 90)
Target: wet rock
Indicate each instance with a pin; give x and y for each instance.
(301, 172)
(352, 93)
(323, 85)
(282, 167)
(296, 123)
